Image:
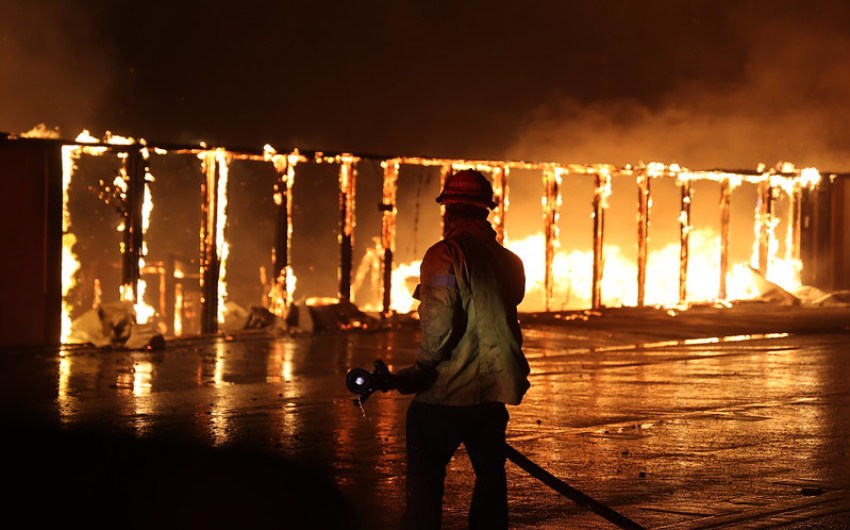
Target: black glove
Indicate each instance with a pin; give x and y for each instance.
(409, 380)
(382, 379)
(364, 383)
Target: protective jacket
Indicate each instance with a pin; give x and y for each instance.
(470, 286)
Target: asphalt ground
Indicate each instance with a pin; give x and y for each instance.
(705, 418)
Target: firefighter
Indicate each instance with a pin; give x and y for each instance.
(470, 363)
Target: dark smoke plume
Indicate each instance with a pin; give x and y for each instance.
(790, 101)
(54, 71)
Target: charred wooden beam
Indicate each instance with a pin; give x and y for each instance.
(347, 187)
(817, 233)
(389, 213)
(725, 203)
(839, 244)
(210, 262)
(765, 224)
(280, 255)
(644, 204)
(684, 234)
(134, 171)
(279, 296)
(551, 201)
(600, 205)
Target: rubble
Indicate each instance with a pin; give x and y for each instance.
(113, 325)
(327, 314)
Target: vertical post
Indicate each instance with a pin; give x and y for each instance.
(279, 296)
(389, 213)
(684, 238)
(500, 192)
(765, 218)
(644, 201)
(347, 187)
(600, 204)
(725, 202)
(821, 203)
(134, 171)
(839, 240)
(209, 251)
(280, 256)
(808, 233)
(810, 182)
(551, 201)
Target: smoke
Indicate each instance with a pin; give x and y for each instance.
(790, 101)
(54, 72)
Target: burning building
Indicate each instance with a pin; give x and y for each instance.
(196, 240)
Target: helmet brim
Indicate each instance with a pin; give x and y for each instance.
(456, 199)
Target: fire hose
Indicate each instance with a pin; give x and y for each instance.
(365, 383)
(570, 492)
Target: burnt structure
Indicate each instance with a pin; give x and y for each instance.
(36, 174)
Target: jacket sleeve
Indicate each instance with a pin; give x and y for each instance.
(440, 312)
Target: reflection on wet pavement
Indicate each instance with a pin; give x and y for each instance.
(672, 434)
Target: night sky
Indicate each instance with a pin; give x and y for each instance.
(704, 83)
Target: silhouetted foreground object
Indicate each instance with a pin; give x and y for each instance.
(99, 480)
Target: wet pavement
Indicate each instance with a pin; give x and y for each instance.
(703, 419)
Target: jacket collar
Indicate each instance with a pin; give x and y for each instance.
(479, 228)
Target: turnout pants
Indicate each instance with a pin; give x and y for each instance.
(434, 433)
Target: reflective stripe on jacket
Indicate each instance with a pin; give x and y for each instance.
(470, 287)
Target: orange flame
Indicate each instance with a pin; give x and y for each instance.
(573, 270)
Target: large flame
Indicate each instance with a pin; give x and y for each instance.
(70, 262)
(556, 278)
(221, 222)
(403, 277)
(144, 311)
(572, 270)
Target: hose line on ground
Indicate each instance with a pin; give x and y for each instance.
(568, 491)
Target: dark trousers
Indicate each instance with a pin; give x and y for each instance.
(434, 433)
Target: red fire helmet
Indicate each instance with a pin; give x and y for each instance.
(467, 186)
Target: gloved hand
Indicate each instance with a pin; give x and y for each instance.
(409, 380)
(382, 379)
(364, 383)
